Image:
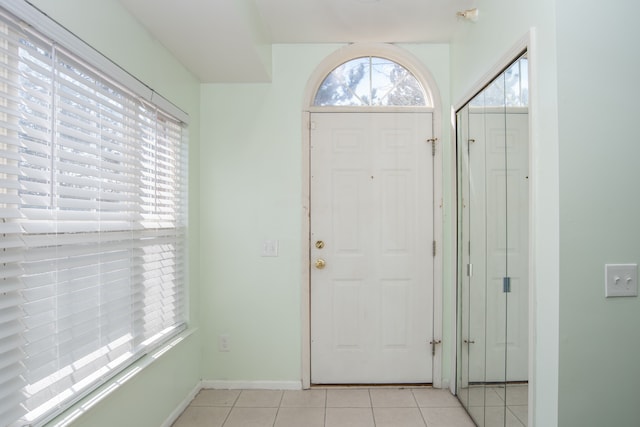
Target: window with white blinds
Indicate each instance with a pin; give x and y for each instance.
(93, 194)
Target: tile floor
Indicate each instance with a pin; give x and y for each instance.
(487, 404)
(334, 407)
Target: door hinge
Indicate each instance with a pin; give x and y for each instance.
(433, 346)
(433, 145)
(506, 284)
(434, 248)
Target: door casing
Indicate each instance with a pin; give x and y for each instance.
(389, 140)
(305, 281)
(422, 73)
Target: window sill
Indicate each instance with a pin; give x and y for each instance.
(82, 407)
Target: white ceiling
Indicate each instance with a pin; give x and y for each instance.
(230, 40)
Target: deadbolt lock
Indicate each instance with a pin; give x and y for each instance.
(319, 244)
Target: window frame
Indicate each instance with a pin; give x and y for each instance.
(382, 50)
(369, 99)
(164, 229)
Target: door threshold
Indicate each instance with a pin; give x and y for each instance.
(367, 386)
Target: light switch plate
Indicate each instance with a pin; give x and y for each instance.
(270, 248)
(621, 280)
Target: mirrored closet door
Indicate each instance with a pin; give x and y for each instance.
(493, 219)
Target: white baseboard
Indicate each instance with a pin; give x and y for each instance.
(251, 385)
(183, 405)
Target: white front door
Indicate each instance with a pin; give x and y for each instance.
(371, 255)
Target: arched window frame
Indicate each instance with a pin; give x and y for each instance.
(371, 81)
(381, 50)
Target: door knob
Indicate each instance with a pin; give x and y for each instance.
(320, 263)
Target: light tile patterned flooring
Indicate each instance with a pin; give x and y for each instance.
(487, 404)
(333, 407)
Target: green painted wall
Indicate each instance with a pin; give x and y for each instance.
(251, 163)
(246, 187)
(598, 62)
(149, 397)
(476, 49)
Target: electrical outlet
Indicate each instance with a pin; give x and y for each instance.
(223, 343)
(621, 280)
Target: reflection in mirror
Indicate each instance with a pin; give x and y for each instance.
(493, 195)
(510, 89)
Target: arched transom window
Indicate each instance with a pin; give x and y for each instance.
(371, 81)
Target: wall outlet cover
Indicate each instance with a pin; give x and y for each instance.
(223, 343)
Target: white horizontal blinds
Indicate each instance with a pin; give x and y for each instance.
(93, 201)
(32, 98)
(161, 245)
(24, 134)
(80, 289)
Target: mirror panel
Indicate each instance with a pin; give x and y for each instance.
(492, 173)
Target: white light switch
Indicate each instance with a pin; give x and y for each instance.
(621, 280)
(270, 248)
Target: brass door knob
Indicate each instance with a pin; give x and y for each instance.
(320, 263)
